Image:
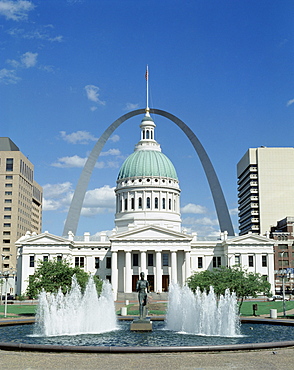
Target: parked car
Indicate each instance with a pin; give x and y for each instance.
(277, 298)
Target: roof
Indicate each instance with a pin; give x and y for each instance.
(151, 163)
(7, 145)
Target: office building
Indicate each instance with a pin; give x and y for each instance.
(265, 188)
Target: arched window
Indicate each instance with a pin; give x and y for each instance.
(120, 205)
(156, 203)
(144, 134)
(163, 203)
(169, 204)
(133, 203)
(140, 202)
(126, 204)
(147, 134)
(148, 202)
(151, 134)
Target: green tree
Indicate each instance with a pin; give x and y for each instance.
(52, 275)
(243, 283)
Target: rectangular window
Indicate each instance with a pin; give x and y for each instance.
(6, 249)
(216, 261)
(108, 277)
(7, 217)
(45, 258)
(8, 200)
(8, 177)
(97, 262)
(8, 185)
(283, 254)
(32, 261)
(133, 203)
(108, 262)
(8, 193)
(6, 232)
(150, 259)
(59, 258)
(6, 241)
(237, 260)
(135, 259)
(200, 262)
(250, 261)
(165, 259)
(9, 164)
(7, 209)
(6, 225)
(79, 262)
(264, 261)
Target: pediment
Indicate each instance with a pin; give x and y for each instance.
(249, 239)
(44, 238)
(150, 232)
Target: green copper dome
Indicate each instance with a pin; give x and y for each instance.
(147, 163)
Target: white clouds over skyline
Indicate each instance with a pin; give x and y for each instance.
(290, 102)
(16, 10)
(193, 208)
(78, 137)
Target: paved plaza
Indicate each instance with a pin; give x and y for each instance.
(280, 359)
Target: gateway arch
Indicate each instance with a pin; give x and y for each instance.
(75, 208)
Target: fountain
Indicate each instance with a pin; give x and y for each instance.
(194, 322)
(76, 313)
(202, 313)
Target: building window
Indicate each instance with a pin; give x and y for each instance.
(97, 262)
(8, 177)
(148, 202)
(45, 258)
(32, 261)
(9, 164)
(250, 261)
(8, 200)
(7, 217)
(140, 202)
(8, 193)
(108, 277)
(59, 258)
(6, 241)
(216, 261)
(237, 260)
(156, 203)
(6, 232)
(7, 225)
(7, 209)
(163, 203)
(133, 203)
(264, 261)
(200, 262)
(8, 185)
(135, 259)
(165, 259)
(6, 249)
(79, 261)
(108, 262)
(169, 204)
(126, 204)
(150, 259)
(283, 254)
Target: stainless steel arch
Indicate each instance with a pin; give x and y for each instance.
(74, 212)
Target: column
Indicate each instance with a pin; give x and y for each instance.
(144, 264)
(128, 273)
(174, 275)
(187, 265)
(114, 274)
(158, 270)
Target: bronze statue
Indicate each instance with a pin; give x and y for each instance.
(142, 286)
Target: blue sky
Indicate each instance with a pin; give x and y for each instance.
(69, 68)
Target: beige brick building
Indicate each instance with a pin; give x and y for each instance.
(20, 201)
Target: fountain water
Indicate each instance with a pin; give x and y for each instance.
(76, 313)
(202, 313)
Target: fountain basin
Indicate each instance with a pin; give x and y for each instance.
(157, 341)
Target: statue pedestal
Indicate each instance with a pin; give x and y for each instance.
(141, 325)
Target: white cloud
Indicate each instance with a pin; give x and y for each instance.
(29, 59)
(8, 76)
(40, 33)
(131, 106)
(206, 221)
(233, 211)
(290, 102)
(93, 95)
(114, 138)
(78, 137)
(110, 152)
(67, 162)
(193, 208)
(59, 196)
(16, 10)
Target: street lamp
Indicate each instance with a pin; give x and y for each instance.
(283, 284)
(6, 275)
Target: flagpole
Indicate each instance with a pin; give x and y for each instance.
(147, 89)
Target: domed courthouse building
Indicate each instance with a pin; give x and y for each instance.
(148, 235)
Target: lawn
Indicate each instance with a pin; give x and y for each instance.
(264, 307)
(25, 310)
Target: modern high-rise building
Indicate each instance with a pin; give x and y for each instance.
(20, 201)
(265, 188)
